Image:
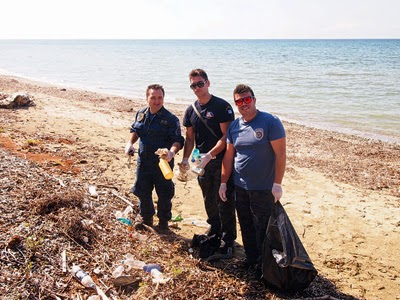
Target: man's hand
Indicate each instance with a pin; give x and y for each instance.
(205, 159)
(129, 149)
(277, 191)
(170, 155)
(166, 154)
(184, 165)
(222, 192)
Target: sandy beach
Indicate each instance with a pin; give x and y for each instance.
(341, 192)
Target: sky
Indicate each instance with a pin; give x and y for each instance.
(204, 19)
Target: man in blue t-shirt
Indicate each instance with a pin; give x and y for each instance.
(256, 155)
(207, 129)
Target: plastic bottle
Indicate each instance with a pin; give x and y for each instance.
(200, 223)
(158, 277)
(118, 271)
(196, 222)
(139, 265)
(149, 267)
(133, 263)
(280, 258)
(166, 169)
(83, 277)
(196, 159)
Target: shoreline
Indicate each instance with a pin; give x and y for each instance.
(340, 191)
(330, 127)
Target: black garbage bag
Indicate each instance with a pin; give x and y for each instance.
(286, 264)
(208, 244)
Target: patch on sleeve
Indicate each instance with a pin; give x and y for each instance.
(140, 117)
(229, 110)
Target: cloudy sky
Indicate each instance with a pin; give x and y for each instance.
(202, 19)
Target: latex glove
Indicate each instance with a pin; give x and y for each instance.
(204, 159)
(277, 191)
(222, 192)
(184, 165)
(129, 149)
(166, 154)
(162, 152)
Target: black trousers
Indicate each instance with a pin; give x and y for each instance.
(254, 209)
(220, 215)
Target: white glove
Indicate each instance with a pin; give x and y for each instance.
(184, 165)
(166, 154)
(222, 192)
(277, 191)
(204, 159)
(129, 149)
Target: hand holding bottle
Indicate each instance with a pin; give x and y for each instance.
(205, 159)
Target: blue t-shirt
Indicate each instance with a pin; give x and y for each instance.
(254, 161)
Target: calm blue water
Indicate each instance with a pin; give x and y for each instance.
(349, 86)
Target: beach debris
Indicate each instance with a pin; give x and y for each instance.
(19, 99)
(64, 261)
(92, 191)
(14, 242)
(122, 198)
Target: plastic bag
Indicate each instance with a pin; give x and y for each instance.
(208, 244)
(286, 264)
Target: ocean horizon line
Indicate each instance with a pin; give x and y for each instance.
(200, 39)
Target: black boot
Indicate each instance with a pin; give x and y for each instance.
(148, 221)
(163, 225)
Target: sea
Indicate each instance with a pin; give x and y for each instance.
(348, 86)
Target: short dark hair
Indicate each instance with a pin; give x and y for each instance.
(242, 88)
(155, 87)
(198, 72)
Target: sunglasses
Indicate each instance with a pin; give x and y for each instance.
(247, 100)
(198, 84)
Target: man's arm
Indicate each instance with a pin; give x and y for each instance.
(134, 138)
(221, 143)
(189, 142)
(227, 163)
(279, 147)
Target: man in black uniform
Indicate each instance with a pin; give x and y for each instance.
(157, 128)
(210, 139)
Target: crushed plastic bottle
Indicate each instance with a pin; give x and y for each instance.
(139, 265)
(195, 222)
(133, 263)
(196, 159)
(158, 277)
(125, 214)
(83, 277)
(118, 272)
(280, 258)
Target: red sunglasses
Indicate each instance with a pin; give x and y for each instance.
(247, 100)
